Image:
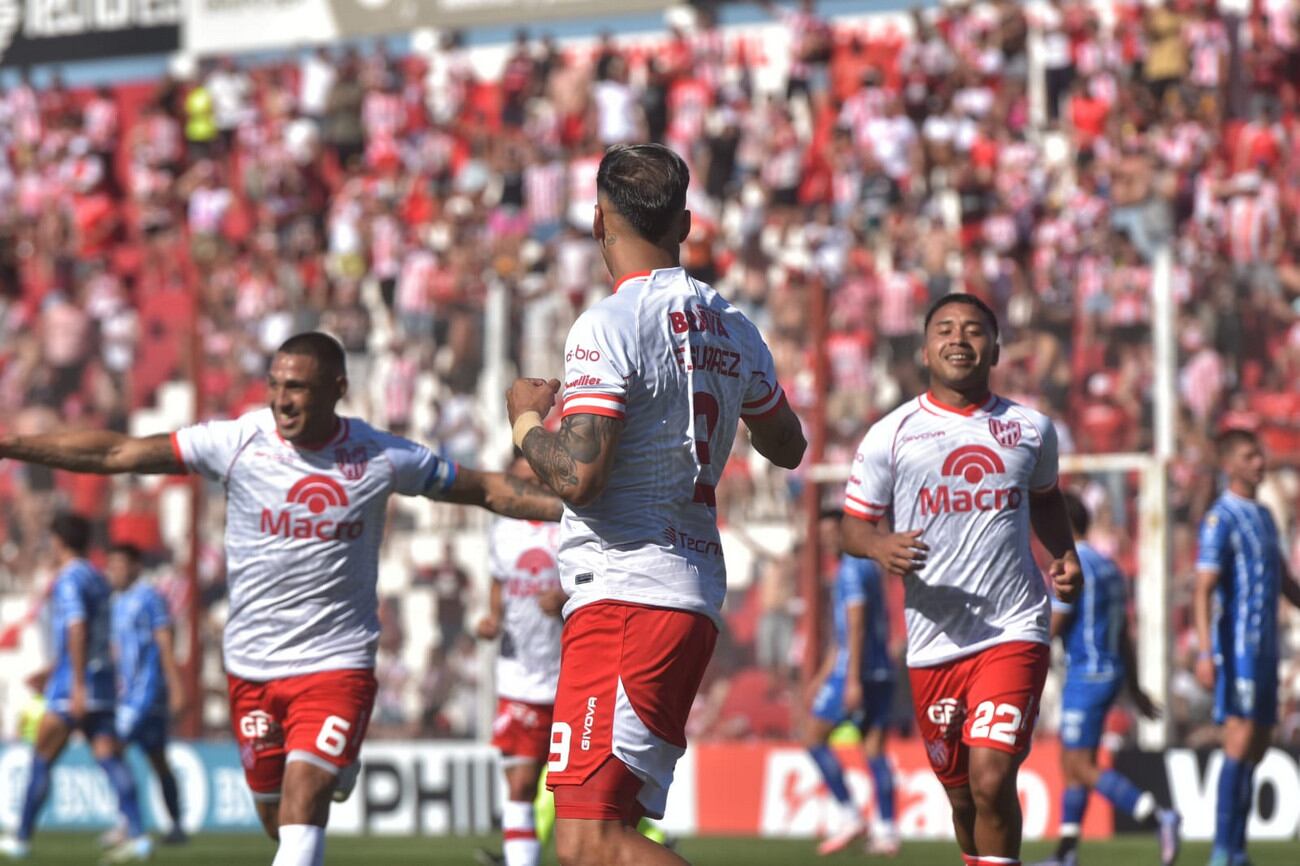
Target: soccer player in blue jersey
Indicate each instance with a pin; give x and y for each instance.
(79, 693)
(1099, 664)
(856, 683)
(149, 686)
(1239, 573)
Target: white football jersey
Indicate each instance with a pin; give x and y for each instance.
(680, 366)
(521, 557)
(963, 478)
(303, 529)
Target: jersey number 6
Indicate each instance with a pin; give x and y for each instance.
(333, 736)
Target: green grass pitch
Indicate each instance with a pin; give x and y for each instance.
(57, 849)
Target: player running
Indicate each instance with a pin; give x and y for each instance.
(79, 694)
(657, 376)
(1239, 573)
(856, 683)
(524, 610)
(1099, 663)
(149, 689)
(963, 476)
(307, 492)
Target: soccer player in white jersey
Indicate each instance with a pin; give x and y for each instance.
(657, 377)
(307, 492)
(963, 476)
(524, 611)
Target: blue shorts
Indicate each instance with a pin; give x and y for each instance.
(877, 698)
(147, 730)
(1084, 705)
(1252, 697)
(94, 724)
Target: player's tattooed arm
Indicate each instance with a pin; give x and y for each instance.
(1290, 588)
(100, 452)
(505, 495)
(576, 460)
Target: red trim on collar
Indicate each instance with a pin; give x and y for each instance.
(633, 276)
(340, 434)
(968, 411)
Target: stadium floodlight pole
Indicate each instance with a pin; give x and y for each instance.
(1154, 648)
(810, 567)
(192, 723)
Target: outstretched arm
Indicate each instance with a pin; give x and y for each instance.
(101, 452)
(504, 494)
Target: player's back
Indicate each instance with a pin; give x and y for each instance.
(858, 582)
(1093, 639)
(1239, 541)
(82, 595)
(138, 612)
(679, 365)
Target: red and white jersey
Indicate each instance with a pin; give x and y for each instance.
(522, 558)
(963, 478)
(680, 366)
(303, 529)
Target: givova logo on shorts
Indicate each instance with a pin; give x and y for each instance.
(562, 739)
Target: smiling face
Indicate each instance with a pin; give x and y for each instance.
(302, 395)
(960, 350)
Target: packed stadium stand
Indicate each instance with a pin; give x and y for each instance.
(163, 235)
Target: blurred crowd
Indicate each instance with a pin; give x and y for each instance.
(1052, 157)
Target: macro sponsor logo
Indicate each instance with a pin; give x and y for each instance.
(699, 320)
(318, 493)
(972, 464)
(677, 538)
(588, 722)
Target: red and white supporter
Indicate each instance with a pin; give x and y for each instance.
(657, 378)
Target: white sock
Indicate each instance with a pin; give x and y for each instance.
(1145, 807)
(300, 845)
(520, 847)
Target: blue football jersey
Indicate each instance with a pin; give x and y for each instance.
(138, 612)
(859, 581)
(1239, 541)
(81, 595)
(1100, 614)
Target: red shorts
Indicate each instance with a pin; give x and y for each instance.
(628, 677)
(318, 718)
(986, 700)
(522, 730)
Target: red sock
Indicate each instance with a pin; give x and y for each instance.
(970, 860)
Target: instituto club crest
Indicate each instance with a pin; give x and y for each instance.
(1006, 432)
(351, 462)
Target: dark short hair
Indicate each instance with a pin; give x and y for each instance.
(968, 300)
(1231, 438)
(327, 351)
(72, 530)
(1077, 512)
(646, 184)
(127, 549)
